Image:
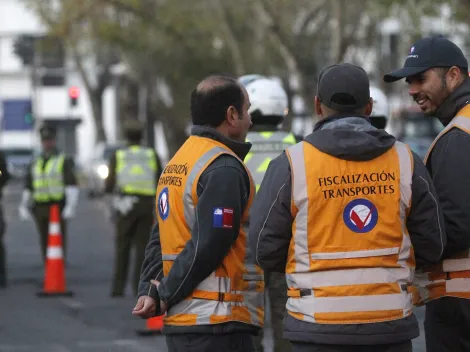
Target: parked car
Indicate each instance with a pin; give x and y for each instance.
(96, 171)
(419, 131)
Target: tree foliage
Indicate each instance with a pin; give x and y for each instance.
(169, 45)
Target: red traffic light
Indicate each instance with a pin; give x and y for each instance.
(74, 92)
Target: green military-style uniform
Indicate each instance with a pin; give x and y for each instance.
(134, 172)
(48, 176)
(266, 146)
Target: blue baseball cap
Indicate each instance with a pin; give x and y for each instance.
(426, 53)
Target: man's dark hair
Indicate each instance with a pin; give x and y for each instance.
(442, 74)
(212, 97)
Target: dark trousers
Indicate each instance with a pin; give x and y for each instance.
(237, 342)
(397, 347)
(447, 325)
(3, 254)
(41, 218)
(276, 290)
(132, 230)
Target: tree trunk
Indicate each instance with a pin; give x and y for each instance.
(174, 128)
(286, 52)
(336, 31)
(228, 32)
(175, 135)
(97, 108)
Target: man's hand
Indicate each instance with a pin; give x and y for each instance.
(24, 213)
(68, 212)
(145, 308)
(163, 306)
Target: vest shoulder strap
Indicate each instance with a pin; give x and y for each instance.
(460, 121)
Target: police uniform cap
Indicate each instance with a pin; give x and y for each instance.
(133, 126)
(133, 129)
(47, 132)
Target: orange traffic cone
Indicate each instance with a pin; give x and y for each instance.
(152, 326)
(54, 273)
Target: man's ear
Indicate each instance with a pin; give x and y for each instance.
(453, 77)
(318, 106)
(231, 115)
(369, 107)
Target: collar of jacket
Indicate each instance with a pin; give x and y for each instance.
(48, 154)
(241, 149)
(264, 128)
(328, 120)
(454, 103)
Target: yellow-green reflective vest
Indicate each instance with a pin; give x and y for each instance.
(135, 171)
(265, 147)
(48, 179)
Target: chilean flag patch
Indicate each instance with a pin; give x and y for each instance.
(223, 217)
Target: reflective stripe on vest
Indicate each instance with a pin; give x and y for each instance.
(461, 121)
(135, 171)
(452, 276)
(48, 180)
(265, 147)
(234, 292)
(351, 259)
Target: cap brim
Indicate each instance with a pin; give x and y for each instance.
(403, 72)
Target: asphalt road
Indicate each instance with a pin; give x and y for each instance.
(90, 321)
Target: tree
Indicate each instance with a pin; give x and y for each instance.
(23, 47)
(171, 45)
(80, 25)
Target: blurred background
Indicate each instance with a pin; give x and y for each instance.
(86, 66)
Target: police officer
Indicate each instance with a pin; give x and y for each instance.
(209, 286)
(4, 177)
(268, 107)
(347, 213)
(50, 179)
(436, 71)
(133, 176)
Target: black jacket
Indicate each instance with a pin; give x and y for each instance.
(4, 174)
(348, 138)
(224, 182)
(449, 166)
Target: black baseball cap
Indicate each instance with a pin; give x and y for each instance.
(343, 87)
(426, 53)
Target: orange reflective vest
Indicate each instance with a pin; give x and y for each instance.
(452, 276)
(234, 292)
(350, 260)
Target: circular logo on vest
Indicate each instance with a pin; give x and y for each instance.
(164, 204)
(360, 215)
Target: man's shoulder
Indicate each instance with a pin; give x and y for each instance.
(226, 161)
(454, 138)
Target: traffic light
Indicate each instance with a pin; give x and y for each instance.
(74, 93)
(28, 114)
